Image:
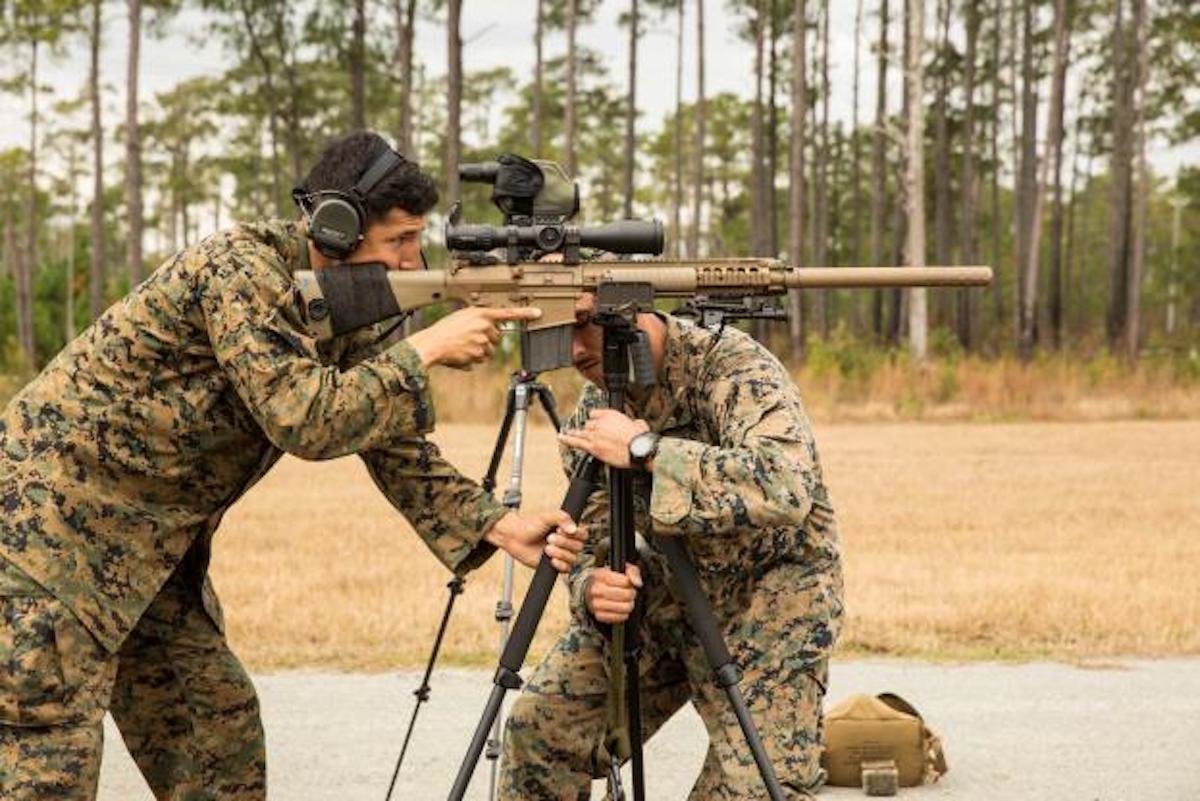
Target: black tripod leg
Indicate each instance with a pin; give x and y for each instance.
(508, 677)
(489, 480)
(700, 615)
(547, 400)
(456, 587)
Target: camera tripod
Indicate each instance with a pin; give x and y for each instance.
(523, 388)
(625, 352)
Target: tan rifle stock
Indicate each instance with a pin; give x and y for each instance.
(368, 293)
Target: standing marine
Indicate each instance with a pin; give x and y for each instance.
(118, 461)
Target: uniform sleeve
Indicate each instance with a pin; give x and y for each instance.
(450, 512)
(761, 472)
(304, 406)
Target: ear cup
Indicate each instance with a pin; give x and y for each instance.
(336, 225)
(337, 221)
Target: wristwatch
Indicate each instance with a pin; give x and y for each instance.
(642, 449)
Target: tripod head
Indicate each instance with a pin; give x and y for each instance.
(627, 356)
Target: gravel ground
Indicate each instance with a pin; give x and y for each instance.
(1126, 731)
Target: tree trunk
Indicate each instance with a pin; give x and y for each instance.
(133, 147)
(997, 289)
(1137, 249)
(184, 168)
(1064, 305)
(941, 134)
(897, 298)
(256, 49)
(287, 54)
(797, 322)
(677, 194)
(879, 165)
(69, 289)
(96, 274)
(771, 167)
(821, 298)
(758, 233)
(1013, 51)
(27, 265)
(1052, 164)
(1120, 208)
(856, 147)
(358, 56)
(1028, 197)
(539, 67)
(454, 111)
(968, 237)
(405, 29)
(915, 174)
(569, 121)
(631, 109)
(693, 245)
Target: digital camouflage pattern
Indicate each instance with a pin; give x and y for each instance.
(119, 459)
(738, 476)
(185, 707)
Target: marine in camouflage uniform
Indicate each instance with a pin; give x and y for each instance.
(738, 477)
(116, 465)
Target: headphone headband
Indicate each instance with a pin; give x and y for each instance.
(380, 167)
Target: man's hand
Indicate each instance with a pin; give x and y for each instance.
(523, 536)
(611, 596)
(467, 336)
(606, 436)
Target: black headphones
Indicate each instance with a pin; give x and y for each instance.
(337, 220)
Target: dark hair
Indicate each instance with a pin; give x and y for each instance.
(345, 159)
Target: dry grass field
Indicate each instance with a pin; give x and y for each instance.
(1073, 541)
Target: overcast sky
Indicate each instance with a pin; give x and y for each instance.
(499, 32)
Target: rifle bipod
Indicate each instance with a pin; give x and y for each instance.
(521, 389)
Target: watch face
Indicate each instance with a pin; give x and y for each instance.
(641, 446)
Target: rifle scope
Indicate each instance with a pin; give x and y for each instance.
(624, 236)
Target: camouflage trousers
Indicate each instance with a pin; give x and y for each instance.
(781, 640)
(181, 700)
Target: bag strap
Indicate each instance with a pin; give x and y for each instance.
(931, 744)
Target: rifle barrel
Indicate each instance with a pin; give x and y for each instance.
(734, 276)
(848, 277)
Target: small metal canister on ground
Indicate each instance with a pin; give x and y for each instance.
(880, 777)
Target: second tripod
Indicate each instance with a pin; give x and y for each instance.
(523, 388)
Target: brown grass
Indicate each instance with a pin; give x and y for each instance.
(858, 385)
(1070, 541)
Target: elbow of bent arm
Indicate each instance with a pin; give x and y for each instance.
(307, 442)
(303, 426)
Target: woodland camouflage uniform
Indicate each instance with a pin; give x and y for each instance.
(116, 464)
(737, 475)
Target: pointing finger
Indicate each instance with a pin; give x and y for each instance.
(520, 313)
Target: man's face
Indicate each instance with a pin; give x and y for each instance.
(587, 346)
(394, 240)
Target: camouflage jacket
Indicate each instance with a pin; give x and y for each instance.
(124, 452)
(736, 473)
